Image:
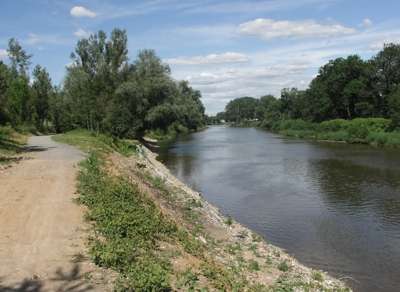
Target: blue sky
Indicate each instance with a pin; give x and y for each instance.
(226, 49)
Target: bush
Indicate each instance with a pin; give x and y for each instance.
(383, 138)
(341, 135)
(298, 125)
(5, 132)
(360, 128)
(334, 125)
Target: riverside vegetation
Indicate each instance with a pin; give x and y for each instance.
(159, 235)
(103, 91)
(350, 100)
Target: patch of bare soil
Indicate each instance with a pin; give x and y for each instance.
(42, 231)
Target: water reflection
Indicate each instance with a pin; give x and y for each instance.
(333, 206)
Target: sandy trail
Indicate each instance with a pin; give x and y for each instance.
(41, 228)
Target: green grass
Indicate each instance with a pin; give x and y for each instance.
(254, 266)
(90, 141)
(372, 131)
(11, 144)
(284, 266)
(128, 227)
(128, 230)
(290, 283)
(142, 243)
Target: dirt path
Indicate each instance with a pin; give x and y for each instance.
(41, 228)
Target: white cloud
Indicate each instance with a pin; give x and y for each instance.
(285, 64)
(3, 54)
(81, 33)
(366, 23)
(80, 11)
(246, 6)
(34, 39)
(228, 57)
(269, 29)
(379, 44)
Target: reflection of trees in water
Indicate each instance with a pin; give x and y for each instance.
(182, 166)
(353, 188)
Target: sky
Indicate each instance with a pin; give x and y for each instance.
(226, 49)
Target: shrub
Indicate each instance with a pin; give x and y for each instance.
(298, 125)
(283, 266)
(341, 135)
(254, 266)
(5, 132)
(334, 125)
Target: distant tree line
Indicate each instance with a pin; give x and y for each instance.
(345, 88)
(24, 101)
(102, 91)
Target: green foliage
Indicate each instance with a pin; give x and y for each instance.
(296, 125)
(229, 221)
(129, 225)
(254, 265)
(108, 94)
(92, 141)
(334, 125)
(11, 143)
(188, 280)
(42, 90)
(239, 109)
(317, 276)
(372, 131)
(283, 266)
(394, 109)
(348, 100)
(102, 91)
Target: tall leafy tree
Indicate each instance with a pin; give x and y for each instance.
(4, 85)
(19, 90)
(42, 90)
(387, 75)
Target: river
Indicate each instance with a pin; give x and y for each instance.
(333, 206)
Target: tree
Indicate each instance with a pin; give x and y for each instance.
(394, 108)
(4, 85)
(42, 89)
(239, 109)
(387, 74)
(20, 60)
(342, 84)
(18, 92)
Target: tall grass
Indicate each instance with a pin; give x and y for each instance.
(374, 131)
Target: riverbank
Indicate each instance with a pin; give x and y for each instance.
(370, 131)
(157, 233)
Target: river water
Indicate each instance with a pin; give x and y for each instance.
(333, 206)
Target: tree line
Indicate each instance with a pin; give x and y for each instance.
(345, 88)
(102, 91)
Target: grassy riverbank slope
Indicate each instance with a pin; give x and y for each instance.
(372, 131)
(160, 235)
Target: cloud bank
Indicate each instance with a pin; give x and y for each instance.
(224, 58)
(80, 11)
(270, 29)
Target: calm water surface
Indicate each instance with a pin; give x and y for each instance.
(333, 206)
